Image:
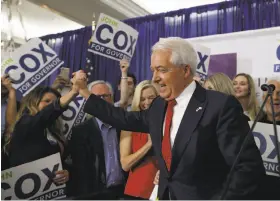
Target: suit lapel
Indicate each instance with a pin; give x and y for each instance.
(191, 118)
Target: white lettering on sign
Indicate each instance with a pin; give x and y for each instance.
(113, 39)
(33, 180)
(30, 65)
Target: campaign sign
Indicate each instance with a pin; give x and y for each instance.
(74, 115)
(113, 39)
(33, 181)
(203, 58)
(266, 142)
(277, 60)
(30, 65)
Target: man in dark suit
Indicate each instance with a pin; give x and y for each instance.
(196, 134)
(97, 172)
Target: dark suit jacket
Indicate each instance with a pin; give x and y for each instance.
(86, 147)
(205, 146)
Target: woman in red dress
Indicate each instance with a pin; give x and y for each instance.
(135, 148)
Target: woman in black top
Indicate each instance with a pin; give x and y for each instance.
(37, 131)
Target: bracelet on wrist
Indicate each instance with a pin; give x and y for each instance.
(123, 77)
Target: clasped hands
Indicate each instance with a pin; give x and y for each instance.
(79, 81)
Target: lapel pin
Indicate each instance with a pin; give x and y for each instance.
(199, 108)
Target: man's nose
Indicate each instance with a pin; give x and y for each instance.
(155, 77)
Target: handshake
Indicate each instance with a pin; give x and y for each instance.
(79, 81)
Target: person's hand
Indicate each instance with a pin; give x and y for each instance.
(75, 88)
(60, 82)
(79, 80)
(6, 81)
(156, 180)
(61, 177)
(124, 65)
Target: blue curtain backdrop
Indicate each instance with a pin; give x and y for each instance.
(220, 18)
(71, 47)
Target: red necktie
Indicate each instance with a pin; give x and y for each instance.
(166, 144)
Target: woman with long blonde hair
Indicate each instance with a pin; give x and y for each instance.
(135, 148)
(219, 82)
(245, 92)
(37, 132)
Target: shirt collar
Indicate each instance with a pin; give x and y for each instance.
(101, 124)
(186, 94)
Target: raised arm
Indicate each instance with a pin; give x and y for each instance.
(47, 116)
(231, 130)
(129, 159)
(11, 110)
(115, 116)
(124, 84)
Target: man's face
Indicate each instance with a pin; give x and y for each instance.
(131, 86)
(172, 79)
(103, 91)
(276, 99)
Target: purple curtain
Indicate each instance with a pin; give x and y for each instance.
(70, 46)
(220, 18)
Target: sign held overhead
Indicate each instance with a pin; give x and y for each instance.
(113, 39)
(30, 65)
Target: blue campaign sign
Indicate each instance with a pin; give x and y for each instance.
(30, 65)
(113, 39)
(266, 141)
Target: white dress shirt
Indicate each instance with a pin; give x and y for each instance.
(179, 110)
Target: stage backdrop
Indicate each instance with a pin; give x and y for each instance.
(256, 51)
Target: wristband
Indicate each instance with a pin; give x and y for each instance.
(123, 77)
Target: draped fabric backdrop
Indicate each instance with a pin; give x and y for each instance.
(71, 47)
(220, 18)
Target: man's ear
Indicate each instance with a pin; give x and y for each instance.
(187, 70)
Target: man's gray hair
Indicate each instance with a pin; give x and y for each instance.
(90, 85)
(183, 52)
(274, 78)
(270, 79)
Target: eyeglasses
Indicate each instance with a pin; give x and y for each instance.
(104, 96)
